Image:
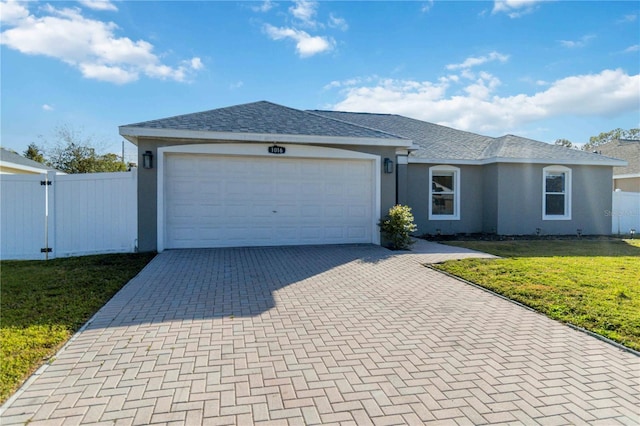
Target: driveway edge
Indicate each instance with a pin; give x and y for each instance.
(575, 327)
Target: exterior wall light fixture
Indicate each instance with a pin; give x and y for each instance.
(147, 160)
(388, 165)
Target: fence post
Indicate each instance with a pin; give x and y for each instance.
(49, 213)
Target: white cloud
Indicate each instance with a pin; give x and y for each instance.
(196, 63)
(350, 82)
(306, 45)
(473, 61)
(265, 6)
(99, 5)
(476, 107)
(303, 15)
(426, 6)
(304, 11)
(515, 8)
(631, 49)
(89, 45)
(340, 23)
(236, 85)
(13, 12)
(582, 42)
(47, 107)
(633, 17)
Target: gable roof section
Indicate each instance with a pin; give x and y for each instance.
(624, 149)
(260, 121)
(434, 141)
(13, 160)
(517, 149)
(268, 122)
(443, 144)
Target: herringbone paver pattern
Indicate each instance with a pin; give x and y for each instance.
(319, 335)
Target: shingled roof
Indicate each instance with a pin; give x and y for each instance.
(266, 121)
(14, 160)
(434, 141)
(260, 118)
(628, 150)
(441, 143)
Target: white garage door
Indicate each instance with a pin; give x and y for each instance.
(232, 201)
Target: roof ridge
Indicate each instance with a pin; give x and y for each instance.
(205, 111)
(313, 112)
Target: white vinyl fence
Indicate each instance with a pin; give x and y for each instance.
(625, 213)
(48, 216)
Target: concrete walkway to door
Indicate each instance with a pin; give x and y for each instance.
(334, 334)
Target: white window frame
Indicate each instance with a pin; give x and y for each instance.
(456, 192)
(567, 192)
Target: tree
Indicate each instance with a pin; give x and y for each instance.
(564, 142)
(33, 152)
(606, 137)
(75, 153)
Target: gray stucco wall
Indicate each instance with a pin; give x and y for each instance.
(147, 199)
(490, 182)
(519, 205)
(506, 199)
(147, 185)
(471, 201)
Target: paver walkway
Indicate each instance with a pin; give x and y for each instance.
(308, 335)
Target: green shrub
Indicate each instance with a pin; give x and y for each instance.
(397, 227)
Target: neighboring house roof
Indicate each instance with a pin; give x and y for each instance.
(441, 143)
(624, 149)
(12, 160)
(257, 118)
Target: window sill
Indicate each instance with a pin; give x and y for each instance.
(443, 217)
(556, 217)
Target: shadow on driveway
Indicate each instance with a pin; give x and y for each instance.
(230, 282)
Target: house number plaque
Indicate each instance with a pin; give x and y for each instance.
(275, 149)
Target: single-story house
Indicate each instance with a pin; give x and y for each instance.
(264, 174)
(12, 163)
(625, 178)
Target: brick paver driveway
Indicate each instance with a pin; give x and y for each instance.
(306, 335)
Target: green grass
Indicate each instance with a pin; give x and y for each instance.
(43, 303)
(593, 284)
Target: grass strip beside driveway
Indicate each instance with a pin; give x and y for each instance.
(592, 284)
(43, 303)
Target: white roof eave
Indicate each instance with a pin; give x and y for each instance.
(494, 160)
(133, 133)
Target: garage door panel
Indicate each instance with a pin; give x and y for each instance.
(262, 211)
(311, 211)
(226, 201)
(356, 232)
(334, 232)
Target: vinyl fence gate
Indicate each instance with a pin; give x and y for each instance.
(625, 213)
(47, 216)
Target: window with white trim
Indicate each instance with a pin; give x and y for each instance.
(556, 193)
(444, 193)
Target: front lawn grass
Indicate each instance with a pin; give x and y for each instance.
(43, 303)
(593, 284)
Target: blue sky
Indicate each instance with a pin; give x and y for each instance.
(539, 69)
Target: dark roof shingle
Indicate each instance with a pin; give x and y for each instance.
(434, 142)
(441, 143)
(265, 118)
(12, 157)
(628, 150)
